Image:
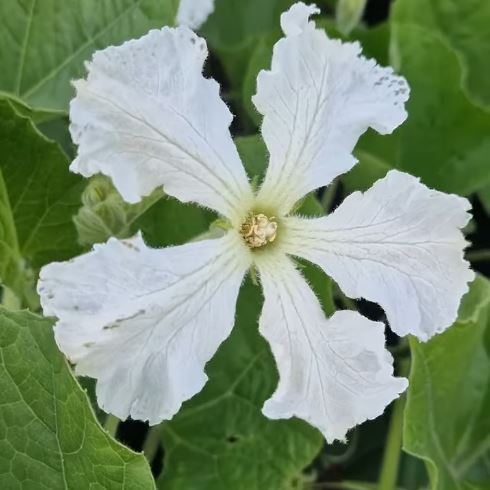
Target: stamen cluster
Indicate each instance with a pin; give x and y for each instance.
(259, 230)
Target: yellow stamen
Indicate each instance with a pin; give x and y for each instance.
(258, 230)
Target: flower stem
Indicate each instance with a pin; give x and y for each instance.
(111, 424)
(392, 454)
(479, 255)
(153, 438)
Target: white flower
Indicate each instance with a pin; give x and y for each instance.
(144, 322)
(193, 13)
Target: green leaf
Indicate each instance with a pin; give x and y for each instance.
(38, 196)
(446, 139)
(374, 41)
(11, 264)
(220, 440)
(50, 438)
(463, 25)
(446, 418)
(43, 44)
(38, 116)
(369, 169)
(236, 24)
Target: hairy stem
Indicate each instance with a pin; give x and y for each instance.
(393, 449)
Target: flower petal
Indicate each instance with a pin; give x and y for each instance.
(147, 117)
(398, 244)
(334, 373)
(318, 98)
(193, 13)
(143, 321)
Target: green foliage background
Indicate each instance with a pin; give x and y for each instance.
(51, 433)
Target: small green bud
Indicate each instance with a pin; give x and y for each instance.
(97, 191)
(349, 14)
(104, 212)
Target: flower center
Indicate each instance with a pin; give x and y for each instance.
(258, 230)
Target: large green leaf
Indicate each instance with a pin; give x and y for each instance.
(433, 143)
(220, 440)
(446, 138)
(236, 24)
(43, 44)
(38, 116)
(463, 25)
(446, 418)
(49, 437)
(38, 196)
